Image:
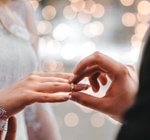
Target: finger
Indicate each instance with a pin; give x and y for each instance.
(89, 101)
(53, 74)
(3, 123)
(12, 128)
(105, 63)
(103, 79)
(50, 98)
(1, 134)
(52, 79)
(87, 73)
(59, 87)
(94, 82)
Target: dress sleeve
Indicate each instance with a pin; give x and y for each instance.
(30, 24)
(40, 121)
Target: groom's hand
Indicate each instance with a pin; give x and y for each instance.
(120, 95)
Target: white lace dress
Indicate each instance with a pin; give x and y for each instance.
(17, 60)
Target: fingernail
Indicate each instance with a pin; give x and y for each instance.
(71, 79)
(83, 86)
(67, 96)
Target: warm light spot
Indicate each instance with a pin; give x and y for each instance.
(98, 10)
(135, 38)
(35, 4)
(61, 32)
(53, 47)
(83, 17)
(129, 19)
(88, 48)
(74, 0)
(67, 52)
(96, 28)
(44, 27)
(127, 2)
(144, 7)
(49, 12)
(86, 30)
(143, 18)
(69, 13)
(71, 119)
(141, 28)
(137, 44)
(49, 65)
(97, 120)
(78, 6)
(88, 6)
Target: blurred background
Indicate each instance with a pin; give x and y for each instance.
(70, 30)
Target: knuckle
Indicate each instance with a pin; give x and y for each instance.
(55, 84)
(131, 67)
(45, 97)
(97, 54)
(32, 77)
(124, 70)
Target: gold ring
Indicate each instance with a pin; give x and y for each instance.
(72, 87)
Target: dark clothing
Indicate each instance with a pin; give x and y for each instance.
(136, 124)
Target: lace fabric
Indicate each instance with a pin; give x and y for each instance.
(17, 60)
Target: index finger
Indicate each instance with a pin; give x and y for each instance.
(104, 62)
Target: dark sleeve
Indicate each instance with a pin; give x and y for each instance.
(136, 124)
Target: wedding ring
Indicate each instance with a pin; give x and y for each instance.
(72, 86)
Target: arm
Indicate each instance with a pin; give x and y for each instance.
(120, 95)
(37, 87)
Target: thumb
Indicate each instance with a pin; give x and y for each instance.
(92, 102)
(12, 128)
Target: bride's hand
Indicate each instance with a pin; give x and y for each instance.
(37, 87)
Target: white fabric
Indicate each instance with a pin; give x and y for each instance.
(17, 60)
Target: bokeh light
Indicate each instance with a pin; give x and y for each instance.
(94, 29)
(71, 119)
(144, 7)
(88, 6)
(97, 120)
(49, 12)
(143, 18)
(129, 19)
(141, 28)
(68, 52)
(98, 10)
(61, 32)
(35, 4)
(44, 27)
(83, 17)
(127, 2)
(78, 6)
(88, 48)
(69, 13)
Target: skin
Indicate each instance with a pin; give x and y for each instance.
(11, 131)
(120, 95)
(37, 87)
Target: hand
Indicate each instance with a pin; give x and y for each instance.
(37, 87)
(120, 95)
(12, 128)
